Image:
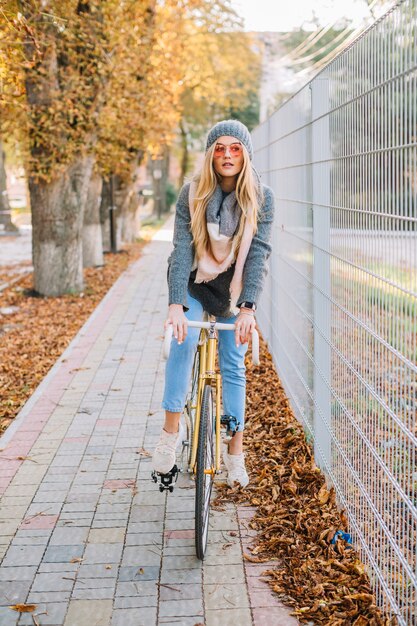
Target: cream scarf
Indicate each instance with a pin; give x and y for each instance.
(223, 218)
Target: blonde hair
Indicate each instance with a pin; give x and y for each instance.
(248, 194)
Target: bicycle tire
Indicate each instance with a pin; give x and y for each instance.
(205, 460)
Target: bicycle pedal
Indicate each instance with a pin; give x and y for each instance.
(166, 481)
(231, 425)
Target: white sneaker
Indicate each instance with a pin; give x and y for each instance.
(164, 456)
(236, 470)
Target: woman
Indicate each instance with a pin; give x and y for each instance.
(221, 244)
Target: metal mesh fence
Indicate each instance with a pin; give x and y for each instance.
(340, 306)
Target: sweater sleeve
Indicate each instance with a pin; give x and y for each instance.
(256, 266)
(181, 259)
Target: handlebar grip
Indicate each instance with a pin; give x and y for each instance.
(255, 347)
(167, 340)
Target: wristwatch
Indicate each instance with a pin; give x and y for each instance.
(248, 305)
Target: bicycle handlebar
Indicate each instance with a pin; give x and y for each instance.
(217, 326)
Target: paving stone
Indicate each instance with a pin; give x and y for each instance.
(98, 570)
(112, 517)
(226, 574)
(82, 498)
(231, 555)
(263, 598)
(53, 581)
(36, 597)
(64, 568)
(103, 553)
(225, 596)
(137, 588)
(23, 555)
(134, 617)
(179, 608)
(274, 615)
(135, 602)
(231, 617)
(180, 551)
(179, 524)
(147, 514)
(150, 498)
(188, 561)
(129, 573)
(8, 617)
(27, 490)
(14, 592)
(95, 583)
(144, 539)
(184, 621)
(89, 612)
(93, 593)
(109, 523)
(140, 556)
(145, 527)
(49, 614)
(89, 478)
(34, 532)
(106, 535)
(181, 576)
(180, 591)
(17, 573)
(223, 522)
(46, 497)
(65, 536)
(63, 554)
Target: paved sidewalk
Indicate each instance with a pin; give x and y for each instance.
(84, 533)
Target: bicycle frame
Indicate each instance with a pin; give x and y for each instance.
(207, 373)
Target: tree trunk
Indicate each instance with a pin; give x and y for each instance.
(92, 236)
(129, 216)
(185, 157)
(105, 205)
(57, 219)
(130, 219)
(5, 212)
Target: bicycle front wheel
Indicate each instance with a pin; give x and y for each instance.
(190, 408)
(204, 470)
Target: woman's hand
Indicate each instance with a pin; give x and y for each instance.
(244, 325)
(178, 320)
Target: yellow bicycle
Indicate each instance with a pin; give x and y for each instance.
(203, 420)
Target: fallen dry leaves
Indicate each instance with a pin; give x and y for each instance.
(296, 516)
(35, 335)
(23, 608)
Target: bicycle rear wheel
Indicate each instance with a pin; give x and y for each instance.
(205, 461)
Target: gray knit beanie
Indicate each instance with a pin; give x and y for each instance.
(232, 128)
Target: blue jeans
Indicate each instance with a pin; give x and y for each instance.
(231, 361)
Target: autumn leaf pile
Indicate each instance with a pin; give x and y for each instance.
(296, 515)
(36, 334)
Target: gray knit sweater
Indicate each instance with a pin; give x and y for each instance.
(214, 295)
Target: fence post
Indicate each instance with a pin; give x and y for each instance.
(320, 180)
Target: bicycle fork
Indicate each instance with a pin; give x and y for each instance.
(208, 375)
